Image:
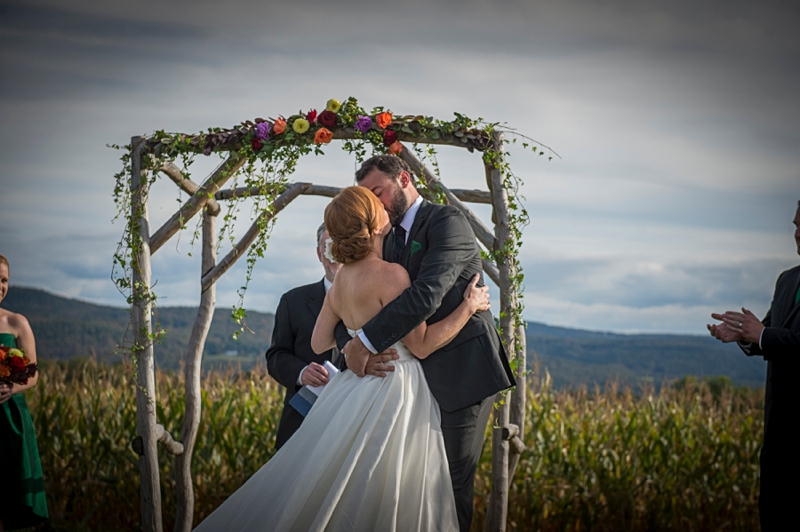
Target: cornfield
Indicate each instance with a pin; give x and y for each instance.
(685, 458)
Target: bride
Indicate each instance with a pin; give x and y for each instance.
(370, 454)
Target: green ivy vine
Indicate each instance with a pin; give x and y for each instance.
(271, 149)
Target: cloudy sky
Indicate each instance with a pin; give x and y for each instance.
(677, 124)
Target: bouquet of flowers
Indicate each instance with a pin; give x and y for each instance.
(15, 366)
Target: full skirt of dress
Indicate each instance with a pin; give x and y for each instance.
(369, 456)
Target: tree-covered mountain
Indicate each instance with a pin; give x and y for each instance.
(66, 328)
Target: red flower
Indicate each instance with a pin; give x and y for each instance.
(16, 363)
(396, 148)
(327, 118)
(312, 116)
(257, 144)
(389, 137)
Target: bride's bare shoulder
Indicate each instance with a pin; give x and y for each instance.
(392, 280)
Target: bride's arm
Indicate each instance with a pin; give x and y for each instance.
(426, 339)
(323, 339)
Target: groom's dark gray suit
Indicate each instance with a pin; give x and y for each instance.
(441, 257)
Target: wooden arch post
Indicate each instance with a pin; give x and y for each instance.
(150, 490)
(508, 422)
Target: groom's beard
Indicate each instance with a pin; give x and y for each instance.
(398, 207)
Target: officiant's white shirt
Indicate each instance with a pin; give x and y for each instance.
(405, 223)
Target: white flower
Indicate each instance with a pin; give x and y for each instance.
(328, 254)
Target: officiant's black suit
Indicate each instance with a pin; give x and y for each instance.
(291, 351)
(780, 462)
(441, 257)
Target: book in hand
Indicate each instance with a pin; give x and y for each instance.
(306, 396)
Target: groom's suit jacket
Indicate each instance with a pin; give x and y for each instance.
(780, 347)
(441, 257)
(291, 351)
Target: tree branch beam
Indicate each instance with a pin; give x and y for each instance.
(172, 171)
(193, 205)
(491, 270)
(249, 237)
(470, 196)
(167, 441)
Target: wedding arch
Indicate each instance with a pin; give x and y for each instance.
(264, 153)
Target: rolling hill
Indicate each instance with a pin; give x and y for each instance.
(67, 328)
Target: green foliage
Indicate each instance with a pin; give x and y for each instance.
(85, 419)
(681, 459)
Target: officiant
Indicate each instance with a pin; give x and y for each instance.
(290, 360)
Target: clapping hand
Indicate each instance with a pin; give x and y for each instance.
(477, 297)
(736, 327)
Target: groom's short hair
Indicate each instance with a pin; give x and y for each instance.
(390, 165)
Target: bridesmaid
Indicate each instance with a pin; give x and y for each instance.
(22, 498)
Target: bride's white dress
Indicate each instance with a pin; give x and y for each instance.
(369, 456)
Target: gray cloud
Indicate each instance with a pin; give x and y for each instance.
(677, 123)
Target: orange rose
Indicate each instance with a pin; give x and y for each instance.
(279, 127)
(5, 371)
(396, 148)
(323, 136)
(383, 119)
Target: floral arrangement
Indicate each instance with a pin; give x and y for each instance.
(15, 366)
(265, 138)
(319, 127)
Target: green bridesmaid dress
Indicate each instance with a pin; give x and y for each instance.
(22, 499)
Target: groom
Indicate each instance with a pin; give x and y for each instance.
(437, 247)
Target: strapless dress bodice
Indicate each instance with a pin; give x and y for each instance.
(402, 350)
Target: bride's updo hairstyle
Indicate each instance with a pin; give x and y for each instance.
(350, 218)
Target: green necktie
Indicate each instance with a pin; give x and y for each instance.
(797, 296)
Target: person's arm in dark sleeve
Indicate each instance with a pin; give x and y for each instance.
(282, 364)
(451, 245)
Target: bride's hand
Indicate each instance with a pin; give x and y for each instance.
(477, 298)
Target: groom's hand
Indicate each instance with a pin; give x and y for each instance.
(361, 362)
(378, 364)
